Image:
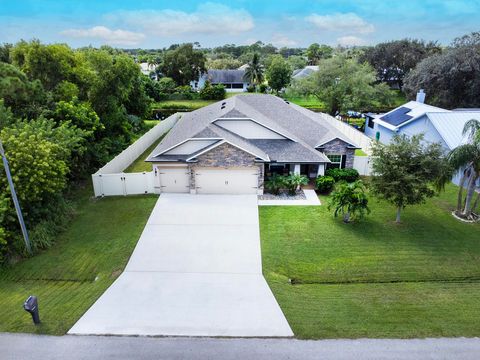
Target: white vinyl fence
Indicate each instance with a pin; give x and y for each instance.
(363, 165)
(110, 180)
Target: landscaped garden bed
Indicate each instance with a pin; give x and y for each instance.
(283, 195)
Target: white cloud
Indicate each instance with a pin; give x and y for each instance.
(209, 18)
(350, 22)
(114, 37)
(280, 40)
(351, 41)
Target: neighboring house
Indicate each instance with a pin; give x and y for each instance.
(403, 119)
(147, 68)
(232, 145)
(233, 80)
(303, 73)
(437, 125)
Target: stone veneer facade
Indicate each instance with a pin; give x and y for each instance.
(226, 156)
(339, 147)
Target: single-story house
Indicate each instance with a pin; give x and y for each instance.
(231, 146)
(233, 80)
(303, 73)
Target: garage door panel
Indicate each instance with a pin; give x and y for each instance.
(226, 181)
(174, 180)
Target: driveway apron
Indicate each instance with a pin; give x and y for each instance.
(196, 271)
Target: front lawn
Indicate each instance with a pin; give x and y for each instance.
(375, 278)
(70, 276)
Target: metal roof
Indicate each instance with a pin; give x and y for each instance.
(450, 125)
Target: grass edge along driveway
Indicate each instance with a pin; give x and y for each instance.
(376, 278)
(70, 276)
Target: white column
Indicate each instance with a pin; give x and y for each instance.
(296, 169)
(321, 170)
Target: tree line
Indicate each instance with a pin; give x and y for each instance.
(63, 114)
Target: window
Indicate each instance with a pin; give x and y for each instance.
(237, 86)
(370, 122)
(336, 161)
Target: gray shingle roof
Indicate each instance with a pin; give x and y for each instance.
(305, 129)
(226, 76)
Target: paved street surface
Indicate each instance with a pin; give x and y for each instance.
(196, 271)
(34, 347)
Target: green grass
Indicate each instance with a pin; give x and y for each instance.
(374, 278)
(360, 152)
(182, 104)
(70, 276)
(309, 102)
(140, 165)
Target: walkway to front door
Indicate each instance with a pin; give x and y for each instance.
(196, 271)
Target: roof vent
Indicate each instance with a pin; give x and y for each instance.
(421, 96)
(223, 107)
(224, 103)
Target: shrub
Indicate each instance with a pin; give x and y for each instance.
(251, 88)
(262, 88)
(325, 183)
(275, 183)
(215, 92)
(348, 175)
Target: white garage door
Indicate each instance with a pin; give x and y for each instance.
(174, 180)
(226, 181)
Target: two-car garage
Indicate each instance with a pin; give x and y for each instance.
(209, 180)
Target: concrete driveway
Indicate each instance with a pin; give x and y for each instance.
(196, 271)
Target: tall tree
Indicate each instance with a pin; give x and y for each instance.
(316, 52)
(406, 171)
(278, 74)
(343, 84)
(183, 64)
(393, 60)
(254, 71)
(450, 79)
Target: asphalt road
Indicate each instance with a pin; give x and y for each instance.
(26, 346)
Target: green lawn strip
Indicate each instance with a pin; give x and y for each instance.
(140, 165)
(71, 275)
(360, 152)
(429, 250)
(182, 104)
(404, 310)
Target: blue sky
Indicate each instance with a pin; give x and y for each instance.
(156, 24)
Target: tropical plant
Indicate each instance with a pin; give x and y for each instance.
(350, 200)
(466, 158)
(406, 171)
(325, 183)
(294, 181)
(254, 71)
(275, 183)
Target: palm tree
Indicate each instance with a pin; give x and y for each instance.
(254, 71)
(275, 183)
(293, 182)
(350, 200)
(466, 158)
